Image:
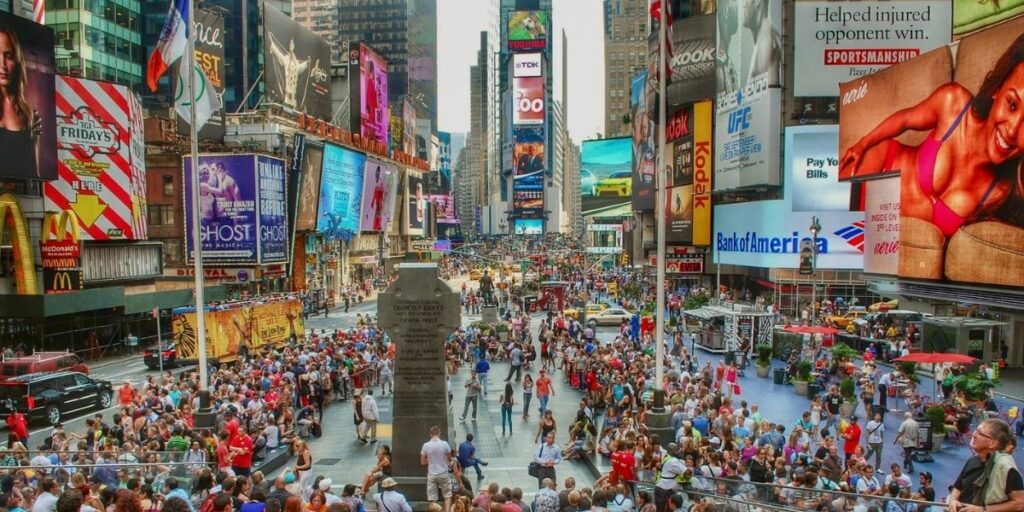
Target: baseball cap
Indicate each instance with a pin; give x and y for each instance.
(325, 484)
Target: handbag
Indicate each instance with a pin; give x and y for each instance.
(534, 468)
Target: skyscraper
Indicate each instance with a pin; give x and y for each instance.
(98, 40)
(626, 23)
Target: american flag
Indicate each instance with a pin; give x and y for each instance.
(853, 234)
(656, 16)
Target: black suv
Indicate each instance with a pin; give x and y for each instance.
(50, 395)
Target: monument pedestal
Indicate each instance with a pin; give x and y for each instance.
(659, 421)
(489, 314)
(414, 488)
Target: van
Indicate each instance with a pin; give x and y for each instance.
(42, 362)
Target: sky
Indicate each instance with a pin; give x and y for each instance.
(459, 23)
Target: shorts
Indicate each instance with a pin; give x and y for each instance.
(440, 483)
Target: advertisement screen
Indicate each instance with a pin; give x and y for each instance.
(527, 30)
(606, 176)
(702, 172)
(380, 186)
(528, 151)
(373, 95)
(971, 15)
(445, 205)
(209, 28)
(526, 65)
(528, 226)
(415, 204)
(24, 155)
(444, 158)
(528, 203)
(298, 65)
(309, 194)
(812, 168)
(640, 97)
(837, 41)
(528, 101)
(680, 213)
(227, 208)
(341, 184)
(273, 207)
(882, 226)
(409, 125)
(94, 151)
(679, 153)
(693, 60)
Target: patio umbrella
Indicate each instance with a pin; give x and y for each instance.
(811, 329)
(936, 358)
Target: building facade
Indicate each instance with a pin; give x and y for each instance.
(626, 24)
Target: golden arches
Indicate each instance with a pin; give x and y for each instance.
(12, 219)
(60, 226)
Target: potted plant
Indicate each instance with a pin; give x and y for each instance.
(764, 359)
(803, 377)
(936, 415)
(841, 355)
(848, 391)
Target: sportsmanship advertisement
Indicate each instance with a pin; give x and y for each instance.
(415, 204)
(693, 60)
(812, 168)
(373, 95)
(528, 101)
(273, 207)
(380, 186)
(341, 183)
(606, 176)
(227, 208)
(749, 99)
(961, 215)
(526, 65)
(973, 15)
(209, 29)
(527, 30)
(30, 94)
(643, 144)
(882, 226)
(298, 65)
(309, 192)
(837, 41)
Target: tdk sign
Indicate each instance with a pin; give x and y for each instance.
(526, 65)
(739, 120)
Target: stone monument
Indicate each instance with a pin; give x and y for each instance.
(417, 311)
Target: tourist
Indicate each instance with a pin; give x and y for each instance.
(435, 454)
(990, 480)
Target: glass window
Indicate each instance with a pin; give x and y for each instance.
(168, 185)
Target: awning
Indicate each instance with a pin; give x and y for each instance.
(703, 313)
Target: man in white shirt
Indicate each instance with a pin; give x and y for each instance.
(436, 454)
(390, 500)
(897, 477)
(370, 416)
(875, 429)
(47, 501)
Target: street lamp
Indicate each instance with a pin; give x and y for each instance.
(815, 228)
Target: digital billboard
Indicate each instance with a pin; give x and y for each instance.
(837, 41)
(373, 95)
(812, 169)
(606, 175)
(679, 150)
(528, 100)
(297, 72)
(409, 125)
(209, 27)
(882, 226)
(445, 205)
(380, 188)
(528, 151)
(693, 60)
(444, 159)
(528, 204)
(679, 213)
(528, 226)
(341, 186)
(643, 143)
(227, 209)
(273, 209)
(309, 192)
(27, 151)
(748, 113)
(526, 65)
(972, 15)
(960, 199)
(528, 30)
(415, 204)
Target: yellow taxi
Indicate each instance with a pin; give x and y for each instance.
(591, 309)
(477, 273)
(847, 318)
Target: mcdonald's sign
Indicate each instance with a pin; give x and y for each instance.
(60, 241)
(62, 280)
(12, 220)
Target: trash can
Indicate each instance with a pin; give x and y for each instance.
(813, 389)
(780, 376)
(730, 356)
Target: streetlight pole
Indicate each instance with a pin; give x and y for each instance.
(815, 229)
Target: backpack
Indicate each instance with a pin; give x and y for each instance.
(207, 505)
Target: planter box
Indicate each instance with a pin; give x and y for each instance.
(762, 371)
(800, 387)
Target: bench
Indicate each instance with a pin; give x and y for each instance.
(275, 459)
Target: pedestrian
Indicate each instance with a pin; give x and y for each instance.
(390, 499)
(473, 386)
(515, 358)
(908, 437)
(875, 429)
(371, 416)
(240, 446)
(18, 425)
(467, 457)
(482, 368)
(852, 436)
(527, 394)
(883, 389)
(436, 454)
(544, 391)
(990, 480)
(506, 401)
(547, 456)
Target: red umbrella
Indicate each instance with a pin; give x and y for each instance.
(811, 329)
(936, 358)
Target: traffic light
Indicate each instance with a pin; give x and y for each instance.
(625, 259)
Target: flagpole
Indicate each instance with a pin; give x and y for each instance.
(197, 245)
(659, 180)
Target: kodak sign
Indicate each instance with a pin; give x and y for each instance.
(702, 170)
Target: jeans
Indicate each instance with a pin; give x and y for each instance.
(506, 414)
(517, 369)
(527, 397)
(908, 459)
(483, 381)
(475, 464)
(465, 407)
(543, 403)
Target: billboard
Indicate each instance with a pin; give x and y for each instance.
(28, 152)
(209, 27)
(679, 153)
(528, 30)
(528, 100)
(679, 213)
(693, 60)
(882, 226)
(528, 204)
(101, 172)
(380, 187)
(640, 99)
(837, 41)
(309, 192)
(415, 204)
(228, 215)
(445, 205)
(409, 127)
(528, 151)
(298, 65)
(227, 330)
(971, 15)
(960, 199)
(528, 226)
(606, 175)
(341, 183)
(812, 169)
(526, 65)
(273, 208)
(444, 159)
(702, 172)
(749, 99)
(373, 95)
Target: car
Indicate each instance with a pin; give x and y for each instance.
(573, 313)
(619, 183)
(42, 362)
(587, 182)
(49, 396)
(168, 352)
(847, 318)
(594, 308)
(610, 316)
